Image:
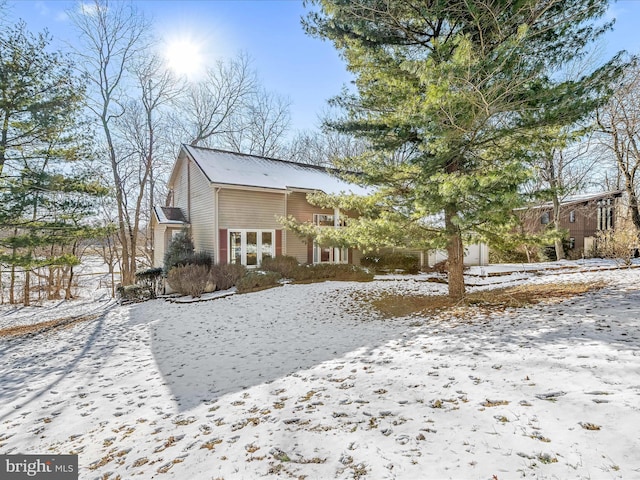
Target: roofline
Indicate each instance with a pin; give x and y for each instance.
(188, 153)
(289, 162)
(168, 222)
(319, 168)
(239, 186)
(587, 198)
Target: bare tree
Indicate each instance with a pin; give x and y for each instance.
(207, 106)
(111, 36)
(260, 126)
(157, 88)
(326, 148)
(563, 165)
(618, 123)
(564, 159)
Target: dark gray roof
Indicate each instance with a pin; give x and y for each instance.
(170, 215)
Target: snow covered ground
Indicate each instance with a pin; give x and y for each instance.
(307, 381)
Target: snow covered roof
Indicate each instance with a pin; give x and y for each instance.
(170, 215)
(222, 167)
(573, 199)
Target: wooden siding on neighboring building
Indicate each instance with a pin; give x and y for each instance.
(584, 216)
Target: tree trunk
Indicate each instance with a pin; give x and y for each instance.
(27, 286)
(634, 210)
(68, 295)
(455, 253)
(557, 227)
(559, 249)
(12, 286)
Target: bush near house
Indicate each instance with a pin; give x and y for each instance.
(257, 280)
(332, 271)
(516, 255)
(193, 273)
(149, 279)
(285, 265)
(132, 293)
(190, 280)
(179, 250)
(391, 262)
(226, 276)
(620, 244)
(288, 267)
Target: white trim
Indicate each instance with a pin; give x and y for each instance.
(341, 253)
(216, 224)
(243, 244)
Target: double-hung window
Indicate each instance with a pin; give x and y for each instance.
(328, 254)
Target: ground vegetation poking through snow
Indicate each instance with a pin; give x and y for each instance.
(308, 381)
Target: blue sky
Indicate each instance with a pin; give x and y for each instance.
(307, 70)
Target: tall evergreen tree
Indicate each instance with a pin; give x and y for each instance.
(44, 201)
(463, 86)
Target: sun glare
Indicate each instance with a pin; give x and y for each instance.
(184, 57)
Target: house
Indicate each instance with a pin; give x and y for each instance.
(231, 203)
(583, 216)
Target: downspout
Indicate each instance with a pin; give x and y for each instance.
(189, 191)
(336, 224)
(283, 247)
(216, 224)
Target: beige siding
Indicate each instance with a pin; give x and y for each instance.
(162, 235)
(303, 211)
(159, 244)
(250, 209)
(202, 203)
(295, 247)
(180, 187)
(202, 215)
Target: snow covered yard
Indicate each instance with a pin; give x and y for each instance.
(307, 381)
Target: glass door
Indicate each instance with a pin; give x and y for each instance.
(252, 249)
(235, 251)
(249, 247)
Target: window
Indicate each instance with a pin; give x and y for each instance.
(572, 243)
(323, 220)
(605, 214)
(544, 219)
(572, 216)
(250, 247)
(330, 254)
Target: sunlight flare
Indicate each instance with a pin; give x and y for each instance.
(184, 57)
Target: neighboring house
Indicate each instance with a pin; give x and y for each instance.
(230, 202)
(583, 216)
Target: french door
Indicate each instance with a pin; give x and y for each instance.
(250, 247)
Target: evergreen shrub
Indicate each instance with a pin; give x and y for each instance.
(391, 262)
(334, 271)
(285, 265)
(179, 250)
(132, 293)
(257, 280)
(148, 279)
(289, 267)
